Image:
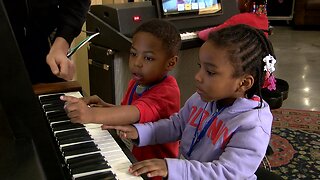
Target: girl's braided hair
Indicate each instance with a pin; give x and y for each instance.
(246, 47)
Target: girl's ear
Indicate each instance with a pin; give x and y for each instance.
(246, 83)
(172, 63)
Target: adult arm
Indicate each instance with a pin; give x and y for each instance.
(72, 15)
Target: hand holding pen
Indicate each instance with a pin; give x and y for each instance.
(59, 57)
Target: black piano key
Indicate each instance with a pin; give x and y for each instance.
(74, 134)
(75, 140)
(51, 97)
(53, 107)
(89, 168)
(68, 125)
(79, 149)
(63, 117)
(79, 146)
(58, 113)
(108, 175)
(61, 135)
(83, 158)
(54, 102)
(86, 162)
(58, 124)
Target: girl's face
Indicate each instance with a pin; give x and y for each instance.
(214, 80)
(148, 60)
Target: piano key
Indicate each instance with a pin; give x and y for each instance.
(65, 125)
(83, 158)
(75, 140)
(77, 176)
(80, 146)
(91, 161)
(59, 119)
(70, 133)
(108, 175)
(53, 107)
(44, 98)
(90, 167)
(52, 114)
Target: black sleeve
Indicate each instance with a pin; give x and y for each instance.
(72, 15)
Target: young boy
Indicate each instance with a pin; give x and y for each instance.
(151, 93)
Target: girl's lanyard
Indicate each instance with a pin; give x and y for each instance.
(197, 137)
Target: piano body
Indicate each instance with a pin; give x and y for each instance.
(37, 141)
(116, 23)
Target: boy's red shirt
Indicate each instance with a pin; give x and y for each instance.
(158, 102)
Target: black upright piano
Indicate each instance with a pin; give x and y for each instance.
(37, 140)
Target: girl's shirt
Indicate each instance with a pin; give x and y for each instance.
(158, 102)
(257, 21)
(232, 147)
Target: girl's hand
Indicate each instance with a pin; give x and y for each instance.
(128, 131)
(152, 167)
(77, 110)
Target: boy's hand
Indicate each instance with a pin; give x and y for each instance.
(96, 101)
(128, 131)
(77, 110)
(153, 167)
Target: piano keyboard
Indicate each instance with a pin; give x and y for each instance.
(188, 35)
(88, 151)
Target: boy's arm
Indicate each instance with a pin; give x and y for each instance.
(79, 112)
(117, 115)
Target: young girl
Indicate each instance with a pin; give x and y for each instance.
(225, 126)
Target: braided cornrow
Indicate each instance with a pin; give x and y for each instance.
(247, 47)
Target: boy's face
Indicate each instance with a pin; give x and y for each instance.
(214, 80)
(148, 60)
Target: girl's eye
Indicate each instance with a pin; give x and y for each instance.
(148, 58)
(199, 65)
(210, 73)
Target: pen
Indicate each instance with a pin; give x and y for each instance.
(71, 51)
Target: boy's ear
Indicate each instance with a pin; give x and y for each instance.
(172, 63)
(246, 83)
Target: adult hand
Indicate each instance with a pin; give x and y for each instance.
(127, 131)
(57, 59)
(153, 167)
(77, 110)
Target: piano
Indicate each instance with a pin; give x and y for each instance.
(87, 152)
(36, 146)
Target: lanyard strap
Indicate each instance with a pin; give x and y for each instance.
(197, 137)
(135, 87)
(131, 94)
